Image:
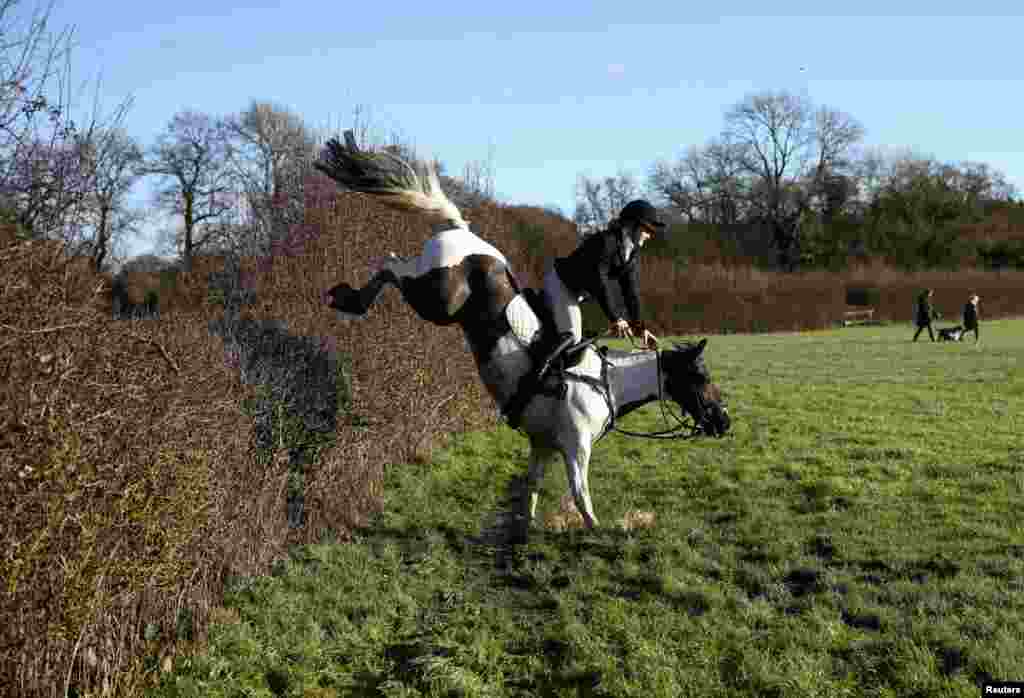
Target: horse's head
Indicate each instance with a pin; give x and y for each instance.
(688, 382)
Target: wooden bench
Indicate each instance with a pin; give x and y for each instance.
(859, 316)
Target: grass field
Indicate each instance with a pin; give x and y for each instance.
(858, 534)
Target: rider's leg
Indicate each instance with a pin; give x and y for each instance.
(568, 319)
(564, 305)
(568, 330)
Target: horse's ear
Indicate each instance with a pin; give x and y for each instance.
(701, 344)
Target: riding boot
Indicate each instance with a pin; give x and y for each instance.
(538, 352)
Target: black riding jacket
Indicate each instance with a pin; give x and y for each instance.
(925, 312)
(598, 269)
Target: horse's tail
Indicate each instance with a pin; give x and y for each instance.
(403, 186)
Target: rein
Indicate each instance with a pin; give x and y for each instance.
(670, 433)
(604, 388)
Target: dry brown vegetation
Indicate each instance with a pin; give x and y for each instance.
(135, 487)
(720, 298)
(130, 488)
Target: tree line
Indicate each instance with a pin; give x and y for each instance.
(231, 184)
(795, 179)
(785, 182)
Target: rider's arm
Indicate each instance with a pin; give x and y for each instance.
(630, 284)
(608, 293)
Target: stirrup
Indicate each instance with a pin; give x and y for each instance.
(565, 340)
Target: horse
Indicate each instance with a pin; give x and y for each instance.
(459, 278)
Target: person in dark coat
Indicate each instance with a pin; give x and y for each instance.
(971, 316)
(925, 314)
(605, 268)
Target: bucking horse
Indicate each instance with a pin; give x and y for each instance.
(459, 278)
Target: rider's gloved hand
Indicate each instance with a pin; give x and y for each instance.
(620, 328)
(648, 339)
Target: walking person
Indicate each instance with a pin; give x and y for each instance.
(925, 313)
(971, 316)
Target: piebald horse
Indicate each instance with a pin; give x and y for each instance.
(461, 279)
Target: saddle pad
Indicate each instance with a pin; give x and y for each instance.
(525, 325)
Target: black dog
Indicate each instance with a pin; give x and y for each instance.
(951, 334)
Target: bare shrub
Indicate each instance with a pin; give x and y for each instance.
(133, 490)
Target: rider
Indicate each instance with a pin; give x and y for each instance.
(603, 267)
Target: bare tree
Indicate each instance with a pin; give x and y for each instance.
(774, 135)
(41, 173)
(46, 183)
(269, 149)
(114, 160)
(190, 157)
(51, 164)
(788, 151)
(832, 183)
(705, 185)
(835, 135)
(477, 182)
(598, 201)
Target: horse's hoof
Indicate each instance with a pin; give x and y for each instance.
(345, 299)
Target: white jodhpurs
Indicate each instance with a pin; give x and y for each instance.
(564, 305)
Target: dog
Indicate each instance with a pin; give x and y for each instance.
(951, 334)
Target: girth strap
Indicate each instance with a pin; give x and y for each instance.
(602, 386)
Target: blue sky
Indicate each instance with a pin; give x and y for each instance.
(563, 88)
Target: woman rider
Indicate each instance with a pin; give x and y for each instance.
(604, 267)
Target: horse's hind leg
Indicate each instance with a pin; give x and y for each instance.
(438, 295)
(356, 302)
(539, 457)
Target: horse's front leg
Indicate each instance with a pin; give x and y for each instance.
(577, 461)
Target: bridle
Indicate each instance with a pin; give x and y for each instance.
(675, 432)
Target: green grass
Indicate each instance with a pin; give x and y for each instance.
(859, 534)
